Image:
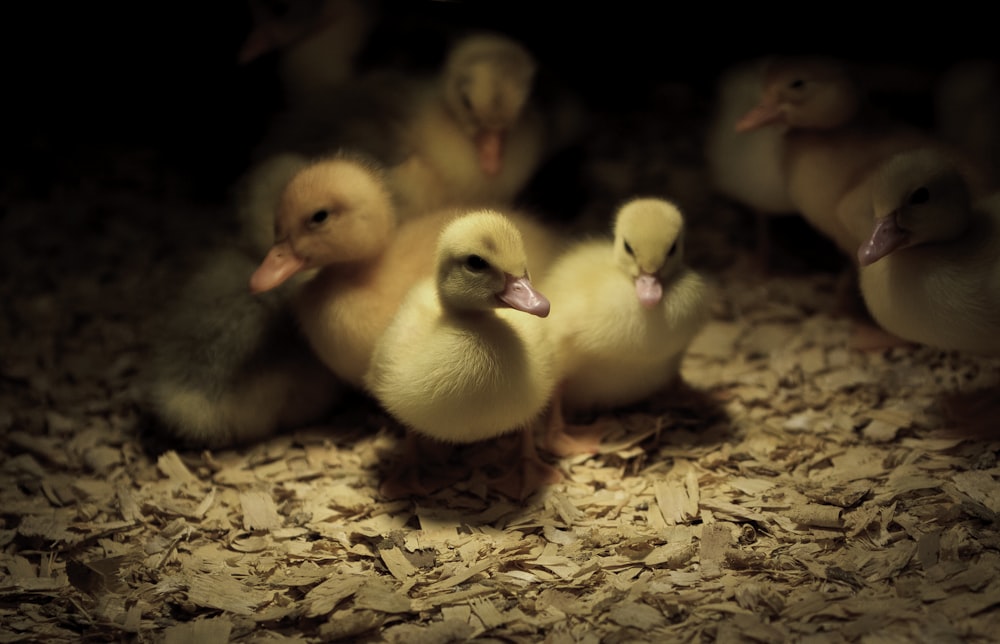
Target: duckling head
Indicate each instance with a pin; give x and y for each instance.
(812, 92)
(336, 210)
(918, 197)
(487, 81)
(482, 265)
(648, 245)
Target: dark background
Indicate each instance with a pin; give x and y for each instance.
(84, 80)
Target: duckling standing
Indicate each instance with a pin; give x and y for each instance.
(466, 357)
(623, 315)
(758, 104)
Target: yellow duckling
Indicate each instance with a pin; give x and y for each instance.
(466, 358)
(336, 219)
(475, 137)
(930, 270)
(623, 315)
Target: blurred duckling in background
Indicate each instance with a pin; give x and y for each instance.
(758, 103)
(467, 358)
(468, 134)
(318, 41)
(967, 110)
(624, 312)
(227, 368)
(930, 269)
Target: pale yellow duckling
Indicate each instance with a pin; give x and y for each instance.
(624, 312)
(226, 367)
(930, 270)
(337, 219)
(466, 357)
(475, 137)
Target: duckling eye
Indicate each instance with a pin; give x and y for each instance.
(476, 263)
(466, 101)
(920, 195)
(673, 250)
(628, 249)
(319, 216)
(798, 83)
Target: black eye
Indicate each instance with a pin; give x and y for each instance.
(466, 101)
(673, 250)
(798, 83)
(628, 249)
(476, 263)
(920, 195)
(319, 216)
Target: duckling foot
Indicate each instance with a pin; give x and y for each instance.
(571, 440)
(563, 439)
(529, 475)
(867, 337)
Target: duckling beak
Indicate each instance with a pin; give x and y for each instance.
(887, 237)
(761, 115)
(518, 293)
(649, 289)
(280, 263)
(489, 143)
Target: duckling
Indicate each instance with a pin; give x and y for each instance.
(834, 140)
(745, 163)
(460, 361)
(759, 105)
(624, 312)
(336, 220)
(318, 41)
(475, 137)
(967, 109)
(227, 368)
(930, 271)
(466, 135)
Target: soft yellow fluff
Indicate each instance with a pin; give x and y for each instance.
(624, 311)
(456, 363)
(475, 137)
(365, 263)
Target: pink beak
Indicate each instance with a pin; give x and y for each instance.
(518, 293)
(280, 263)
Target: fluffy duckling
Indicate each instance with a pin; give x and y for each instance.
(745, 164)
(227, 368)
(759, 105)
(624, 312)
(475, 136)
(336, 219)
(466, 135)
(930, 270)
(466, 357)
(318, 41)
